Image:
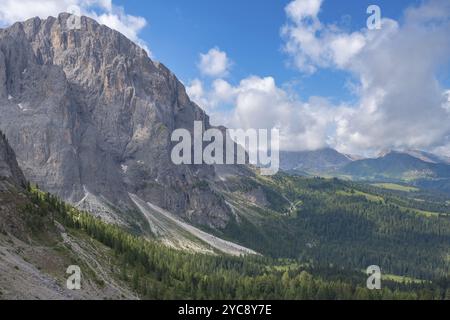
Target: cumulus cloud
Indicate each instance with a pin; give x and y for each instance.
(104, 11)
(259, 103)
(313, 45)
(214, 63)
(400, 102)
(300, 10)
(196, 92)
(447, 100)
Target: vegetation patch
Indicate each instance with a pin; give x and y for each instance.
(395, 187)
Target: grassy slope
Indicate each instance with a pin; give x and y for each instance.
(328, 221)
(111, 257)
(159, 272)
(35, 253)
(395, 187)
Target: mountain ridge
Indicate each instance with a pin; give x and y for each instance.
(317, 161)
(90, 116)
(396, 165)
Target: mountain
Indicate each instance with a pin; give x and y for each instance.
(418, 168)
(10, 173)
(90, 116)
(313, 162)
(428, 157)
(40, 236)
(396, 166)
(35, 250)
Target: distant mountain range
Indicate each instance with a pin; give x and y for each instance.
(313, 162)
(88, 116)
(428, 157)
(397, 166)
(420, 168)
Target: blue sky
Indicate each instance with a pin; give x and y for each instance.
(311, 68)
(249, 31)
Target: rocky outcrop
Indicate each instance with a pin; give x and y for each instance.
(88, 111)
(9, 169)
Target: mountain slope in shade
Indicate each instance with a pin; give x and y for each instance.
(396, 166)
(90, 117)
(428, 157)
(35, 251)
(319, 161)
(9, 168)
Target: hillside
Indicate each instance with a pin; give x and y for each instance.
(341, 223)
(157, 272)
(40, 236)
(90, 117)
(35, 250)
(313, 162)
(396, 166)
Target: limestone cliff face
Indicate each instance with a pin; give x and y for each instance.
(88, 112)
(9, 168)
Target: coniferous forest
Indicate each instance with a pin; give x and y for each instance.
(158, 272)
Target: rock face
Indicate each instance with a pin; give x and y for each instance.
(90, 116)
(30, 267)
(9, 169)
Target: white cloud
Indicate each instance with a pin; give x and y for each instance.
(259, 103)
(104, 11)
(400, 104)
(299, 10)
(196, 92)
(214, 63)
(219, 93)
(401, 100)
(344, 47)
(313, 45)
(446, 103)
(223, 91)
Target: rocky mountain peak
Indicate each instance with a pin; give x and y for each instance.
(90, 116)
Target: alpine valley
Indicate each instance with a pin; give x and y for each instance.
(86, 179)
